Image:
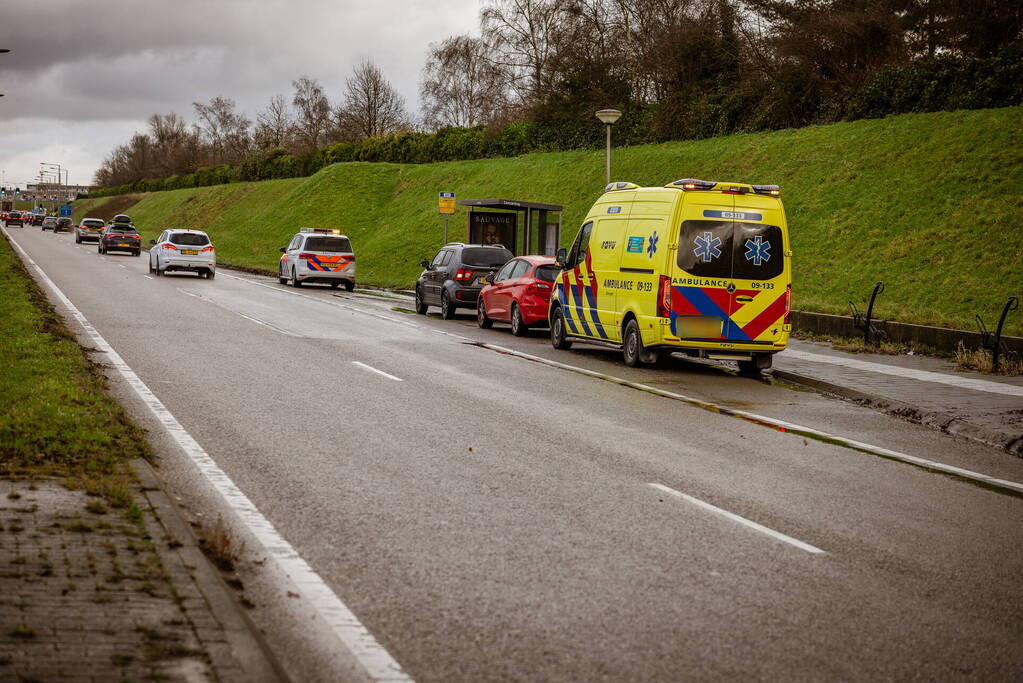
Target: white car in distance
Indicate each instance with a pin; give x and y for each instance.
(183, 250)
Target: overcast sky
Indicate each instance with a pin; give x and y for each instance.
(81, 77)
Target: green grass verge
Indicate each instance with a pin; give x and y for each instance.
(56, 417)
(926, 202)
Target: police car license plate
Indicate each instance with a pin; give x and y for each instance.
(700, 327)
(190, 252)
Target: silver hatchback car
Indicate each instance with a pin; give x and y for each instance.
(186, 250)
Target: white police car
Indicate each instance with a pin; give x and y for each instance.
(318, 255)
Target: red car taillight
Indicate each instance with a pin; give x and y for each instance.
(169, 247)
(463, 275)
(664, 297)
(539, 287)
(788, 303)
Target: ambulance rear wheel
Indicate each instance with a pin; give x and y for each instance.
(559, 339)
(632, 344)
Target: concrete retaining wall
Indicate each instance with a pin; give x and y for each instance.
(941, 338)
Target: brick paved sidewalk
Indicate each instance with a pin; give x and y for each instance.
(92, 593)
(983, 407)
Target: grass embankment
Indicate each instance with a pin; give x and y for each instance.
(56, 417)
(926, 202)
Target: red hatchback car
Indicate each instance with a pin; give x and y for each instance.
(519, 294)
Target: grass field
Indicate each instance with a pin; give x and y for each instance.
(56, 417)
(926, 202)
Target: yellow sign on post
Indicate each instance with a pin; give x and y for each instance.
(446, 203)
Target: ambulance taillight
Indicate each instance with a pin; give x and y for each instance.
(788, 303)
(664, 297)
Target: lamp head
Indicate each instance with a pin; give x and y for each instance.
(609, 116)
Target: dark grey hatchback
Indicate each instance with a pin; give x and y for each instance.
(453, 279)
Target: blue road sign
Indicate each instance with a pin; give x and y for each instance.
(65, 210)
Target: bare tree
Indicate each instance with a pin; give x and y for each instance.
(313, 111)
(525, 36)
(274, 125)
(461, 85)
(371, 106)
(224, 131)
(174, 146)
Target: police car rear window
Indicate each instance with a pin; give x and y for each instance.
(485, 257)
(547, 273)
(189, 238)
(331, 245)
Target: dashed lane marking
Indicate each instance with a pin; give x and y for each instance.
(379, 372)
(377, 663)
(1003, 485)
(242, 315)
(741, 520)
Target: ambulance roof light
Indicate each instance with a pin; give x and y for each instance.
(769, 190)
(694, 184)
(614, 187)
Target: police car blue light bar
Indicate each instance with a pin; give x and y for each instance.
(322, 231)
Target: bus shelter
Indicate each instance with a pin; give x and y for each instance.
(498, 221)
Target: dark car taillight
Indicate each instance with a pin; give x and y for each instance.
(463, 275)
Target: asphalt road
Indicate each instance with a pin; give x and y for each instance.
(492, 518)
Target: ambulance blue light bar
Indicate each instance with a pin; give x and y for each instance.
(769, 190)
(613, 187)
(694, 184)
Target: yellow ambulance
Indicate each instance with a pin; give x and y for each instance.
(700, 267)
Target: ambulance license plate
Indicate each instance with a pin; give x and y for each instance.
(189, 252)
(700, 327)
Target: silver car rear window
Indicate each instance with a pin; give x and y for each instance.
(190, 239)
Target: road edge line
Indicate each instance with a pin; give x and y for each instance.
(376, 662)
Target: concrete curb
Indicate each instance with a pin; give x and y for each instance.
(246, 656)
(943, 422)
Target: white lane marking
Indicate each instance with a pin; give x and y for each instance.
(242, 315)
(375, 660)
(782, 425)
(149, 277)
(741, 520)
(121, 265)
(379, 372)
(322, 300)
(910, 373)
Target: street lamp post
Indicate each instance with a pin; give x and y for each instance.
(608, 117)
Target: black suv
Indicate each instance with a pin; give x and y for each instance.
(63, 224)
(452, 279)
